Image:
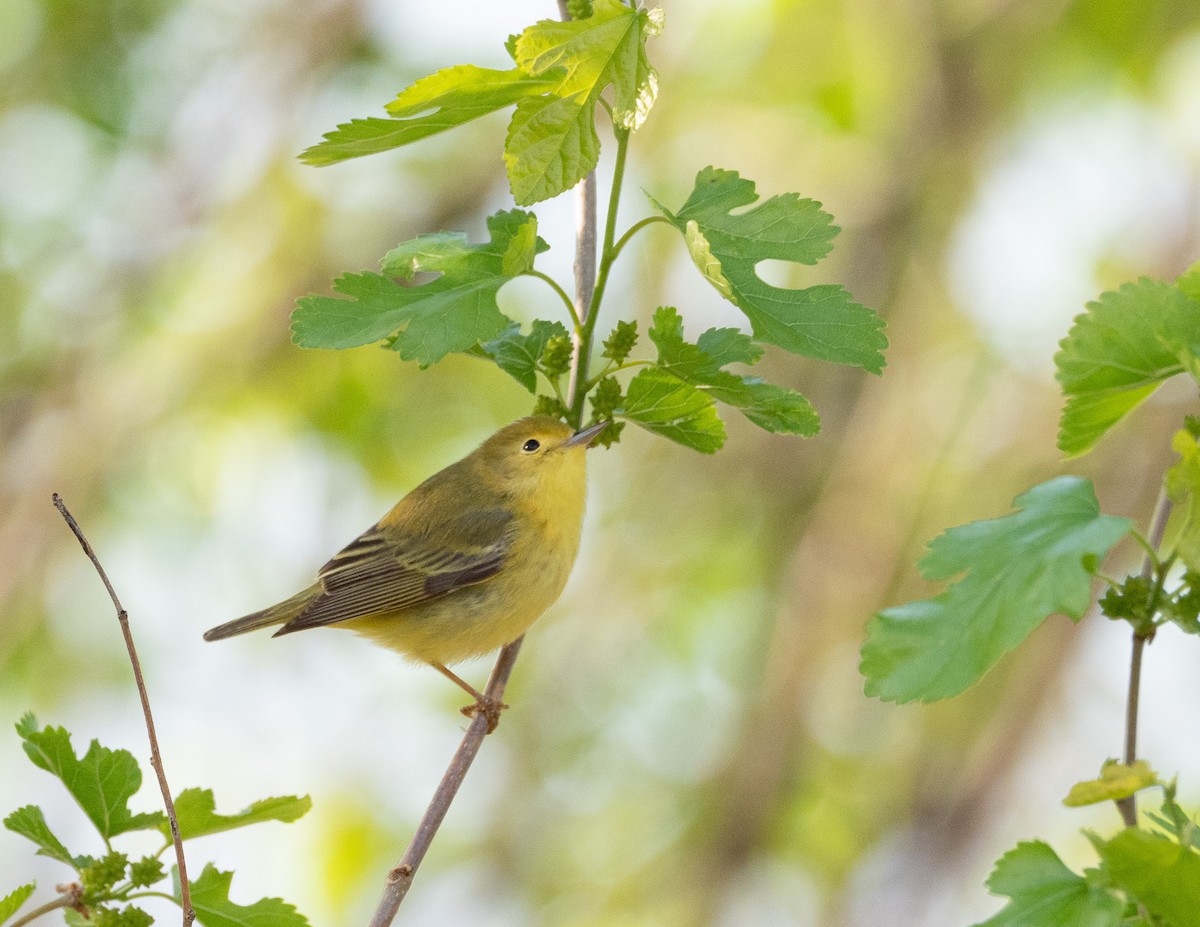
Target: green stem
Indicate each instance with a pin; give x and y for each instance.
(634, 229)
(607, 255)
(1151, 567)
(562, 294)
(610, 369)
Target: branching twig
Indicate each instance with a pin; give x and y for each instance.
(185, 895)
(69, 897)
(400, 879)
(1158, 524)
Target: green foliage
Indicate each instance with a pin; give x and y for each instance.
(1116, 781)
(1118, 353)
(665, 405)
(562, 68)
(773, 408)
(1019, 569)
(563, 72)
(454, 312)
(1043, 891)
(102, 782)
(1161, 874)
(210, 898)
(523, 356)
(1183, 486)
(195, 812)
(819, 321)
(11, 903)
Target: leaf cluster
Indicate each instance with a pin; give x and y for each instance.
(107, 886)
(437, 294)
(1145, 877)
(1006, 575)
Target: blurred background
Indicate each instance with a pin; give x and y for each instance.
(689, 743)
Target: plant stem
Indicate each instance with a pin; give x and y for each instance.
(68, 899)
(185, 894)
(400, 879)
(576, 325)
(583, 345)
(1158, 524)
(634, 229)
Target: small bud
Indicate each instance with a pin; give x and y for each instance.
(618, 344)
(556, 356)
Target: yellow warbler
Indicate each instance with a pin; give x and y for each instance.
(464, 563)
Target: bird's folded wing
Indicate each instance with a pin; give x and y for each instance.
(385, 571)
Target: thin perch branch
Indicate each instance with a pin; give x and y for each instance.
(185, 894)
(1158, 525)
(400, 879)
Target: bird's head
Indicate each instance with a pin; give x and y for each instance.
(537, 454)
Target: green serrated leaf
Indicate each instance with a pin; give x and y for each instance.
(664, 404)
(1116, 781)
(1160, 874)
(11, 903)
(1115, 357)
(195, 811)
(1019, 569)
(517, 354)
(30, 823)
(102, 782)
(1042, 891)
(210, 898)
(454, 312)
(552, 142)
(441, 101)
(819, 321)
(773, 408)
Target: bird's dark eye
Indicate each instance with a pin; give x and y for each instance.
(531, 445)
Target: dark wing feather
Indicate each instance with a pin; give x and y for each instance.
(382, 572)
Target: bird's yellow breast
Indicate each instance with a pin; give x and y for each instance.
(474, 620)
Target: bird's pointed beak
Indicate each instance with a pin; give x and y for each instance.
(585, 436)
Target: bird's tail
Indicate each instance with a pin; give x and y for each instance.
(276, 614)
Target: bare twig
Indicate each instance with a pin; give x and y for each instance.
(185, 895)
(400, 879)
(1158, 524)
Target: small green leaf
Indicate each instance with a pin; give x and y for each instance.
(11, 903)
(517, 354)
(1116, 781)
(102, 781)
(1044, 892)
(30, 823)
(1162, 875)
(1115, 357)
(454, 312)
(819, 321)
(773, 408)
(1182, 536)
(448, 98)
(210, 898)
(1019, 569)
(664, 404)
(552, 142)
(195, 811)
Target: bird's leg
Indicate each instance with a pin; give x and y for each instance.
(489, 707)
